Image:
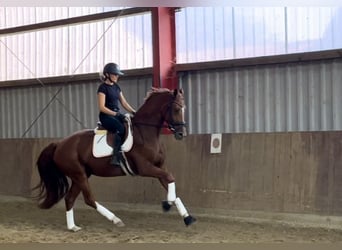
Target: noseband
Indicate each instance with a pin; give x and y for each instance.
(172, 124)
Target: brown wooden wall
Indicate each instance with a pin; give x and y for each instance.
(272, 172)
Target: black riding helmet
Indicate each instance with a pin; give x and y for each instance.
(112, 68)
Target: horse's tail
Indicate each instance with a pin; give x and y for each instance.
(53, 183)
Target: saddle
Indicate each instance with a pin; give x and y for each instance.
(103, 141)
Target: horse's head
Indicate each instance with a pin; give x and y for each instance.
(175, 115)
(163, 106)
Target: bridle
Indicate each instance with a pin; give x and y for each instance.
(172, 125)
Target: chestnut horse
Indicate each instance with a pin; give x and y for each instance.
(72, 157)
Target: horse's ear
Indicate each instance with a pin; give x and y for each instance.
(176, 91)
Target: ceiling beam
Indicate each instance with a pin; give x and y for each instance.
(74, 20)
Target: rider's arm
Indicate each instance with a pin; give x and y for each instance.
(125, 104)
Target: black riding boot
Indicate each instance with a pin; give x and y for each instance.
(116, 150)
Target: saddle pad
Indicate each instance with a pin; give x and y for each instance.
(101, 147)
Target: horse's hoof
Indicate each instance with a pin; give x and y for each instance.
(119, 224)
(75, 229)
(189, 220)
(166, 206)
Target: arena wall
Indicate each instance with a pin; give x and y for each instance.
(297, 172)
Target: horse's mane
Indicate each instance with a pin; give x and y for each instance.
(154, 90)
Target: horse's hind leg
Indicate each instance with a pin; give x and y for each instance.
(84, 186)
(70, 198)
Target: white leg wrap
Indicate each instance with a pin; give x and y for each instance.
(106, 213)
(171, 192)
(70, 219)
(181, 209)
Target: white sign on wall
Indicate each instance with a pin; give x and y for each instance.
(215, 144)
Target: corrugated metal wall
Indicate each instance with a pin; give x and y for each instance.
(33, 112)
(219, 33)
(286, 97)
(74, 49)
(269, 98)
(202, 33)
(272, 98)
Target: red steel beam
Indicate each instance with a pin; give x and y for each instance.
(164, 47)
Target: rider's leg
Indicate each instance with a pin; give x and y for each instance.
(115, 125)
(116, 150)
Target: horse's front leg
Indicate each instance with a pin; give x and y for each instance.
(173, 199)
(170, 187)
(168, 182)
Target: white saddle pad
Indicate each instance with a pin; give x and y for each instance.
(101, 147)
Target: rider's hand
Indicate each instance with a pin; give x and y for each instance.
(121, 117)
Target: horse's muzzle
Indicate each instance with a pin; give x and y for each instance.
(178, 135)
(178, 130)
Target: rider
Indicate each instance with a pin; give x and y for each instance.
(109, 95)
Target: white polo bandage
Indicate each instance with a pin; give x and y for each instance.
(106, 213)
(70, 219)
(181, 209)
(171, 192)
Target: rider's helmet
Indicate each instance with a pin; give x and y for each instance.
(112, 68)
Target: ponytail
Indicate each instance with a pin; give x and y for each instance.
(103, 78)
